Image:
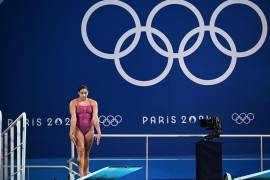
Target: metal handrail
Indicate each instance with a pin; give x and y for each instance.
(147, 158)
(20, 147)
(147, 136)
(181, 135)
(13, 123)
(170, 159)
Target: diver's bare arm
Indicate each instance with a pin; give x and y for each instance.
(95, 117)
(73, 121)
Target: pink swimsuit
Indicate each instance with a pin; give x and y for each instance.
(84, 117)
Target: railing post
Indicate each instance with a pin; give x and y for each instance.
(24, 146)
(6, 156)
(261, 153)
(1, 157)
(71, 175)
(12, 153)
(28, 172)
(146, 168)
(18, 150)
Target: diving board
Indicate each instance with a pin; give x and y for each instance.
(111, 172)
(259, 175)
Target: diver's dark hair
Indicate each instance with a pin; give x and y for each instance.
(83, 86)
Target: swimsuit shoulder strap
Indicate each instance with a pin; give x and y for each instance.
(90, 102)
(77, 102)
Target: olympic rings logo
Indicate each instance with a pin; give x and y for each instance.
(243, 118)
(182, 53)
(110, 120)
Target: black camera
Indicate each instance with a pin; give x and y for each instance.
(213, 124)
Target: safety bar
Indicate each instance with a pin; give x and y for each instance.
(147, 136)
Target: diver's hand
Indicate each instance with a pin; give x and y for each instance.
(98, 136)
(72, 136)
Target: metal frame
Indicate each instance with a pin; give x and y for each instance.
(147, 136)
(20, 148)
